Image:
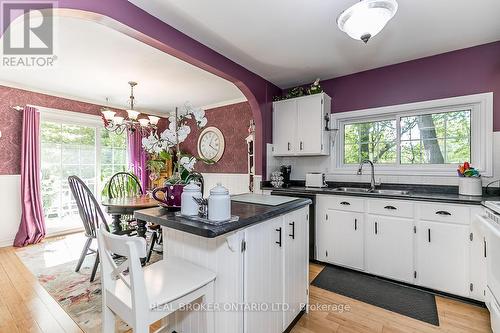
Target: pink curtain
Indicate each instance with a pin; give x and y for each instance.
(32, 229)
(138, 158)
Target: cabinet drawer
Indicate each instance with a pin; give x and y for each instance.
(444, 213)
(346, 203)
(391, 208)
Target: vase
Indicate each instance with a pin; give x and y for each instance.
(169, 196)
(470, 186)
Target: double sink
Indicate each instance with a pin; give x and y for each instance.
(368, 191)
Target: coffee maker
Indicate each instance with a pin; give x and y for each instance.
(286, 170)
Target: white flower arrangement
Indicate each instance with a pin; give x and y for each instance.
(177, 132)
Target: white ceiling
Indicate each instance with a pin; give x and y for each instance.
(294, 41)
(95, 62)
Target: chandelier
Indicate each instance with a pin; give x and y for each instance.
(132, 122)
(367, 18)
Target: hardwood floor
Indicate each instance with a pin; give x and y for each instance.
(26, 307)
(454, 316)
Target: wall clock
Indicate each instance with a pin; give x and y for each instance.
(211, 144)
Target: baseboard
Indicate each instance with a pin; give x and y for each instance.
(295, 321)
(6, 242)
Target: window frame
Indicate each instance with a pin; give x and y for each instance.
(480, 105)
(77, 118)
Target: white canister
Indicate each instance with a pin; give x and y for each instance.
(470, 186)
(189, 207)
(219, 204)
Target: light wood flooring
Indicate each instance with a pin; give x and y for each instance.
(26, 307)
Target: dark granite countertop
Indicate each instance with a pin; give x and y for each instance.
(248, 213)
(448, 194)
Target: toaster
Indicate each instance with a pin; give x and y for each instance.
(315, 179)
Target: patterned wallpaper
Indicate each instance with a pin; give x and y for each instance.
(233, 121)
(11, 121)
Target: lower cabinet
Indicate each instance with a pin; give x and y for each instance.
(296, 276)
(343, 238)
(389, 247)
(443, 256)
(276, 272)
(433, 245)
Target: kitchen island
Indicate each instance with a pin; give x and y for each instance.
(261, 262)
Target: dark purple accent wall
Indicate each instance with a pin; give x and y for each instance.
(233, 121)
(463, 72)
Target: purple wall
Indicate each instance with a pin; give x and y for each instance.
(463, 72)
(122, 15)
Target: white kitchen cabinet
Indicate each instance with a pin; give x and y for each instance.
(344, 241)
(296, 275)
(299, 126)
(443, 256)
(284, 127)
(276, 271)
(478, 253)
(389, 247)
(452, 261)
(264, 276)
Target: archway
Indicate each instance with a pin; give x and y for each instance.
(136, 23)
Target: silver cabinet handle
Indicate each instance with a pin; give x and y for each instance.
(345, 203)
(443, 213)
(429, 234)
(301, 145)
(288, 146)
(376, 228)
(355, 224)
(390, 207)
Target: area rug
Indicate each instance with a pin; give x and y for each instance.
(53, 262)
(408, 301)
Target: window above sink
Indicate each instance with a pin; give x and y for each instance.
(423, 138)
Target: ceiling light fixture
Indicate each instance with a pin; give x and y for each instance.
(367, 18)
(132, 123)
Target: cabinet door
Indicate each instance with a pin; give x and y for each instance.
(264, 276)
(443, 257)
(310, 125)
(296, 239)
(389, 247)
(478, 261)
(344, 238)
(284, 127)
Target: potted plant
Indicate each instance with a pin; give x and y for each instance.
(469, 181)
(167, 146)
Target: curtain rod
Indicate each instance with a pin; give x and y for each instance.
(17, 108)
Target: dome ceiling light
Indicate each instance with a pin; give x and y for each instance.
(367, 18)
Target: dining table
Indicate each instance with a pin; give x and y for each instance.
(117, 207)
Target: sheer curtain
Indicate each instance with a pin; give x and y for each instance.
(32, 228)
(138, 158)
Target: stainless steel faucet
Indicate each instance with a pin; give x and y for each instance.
(360, 172)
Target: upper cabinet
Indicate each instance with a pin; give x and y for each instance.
(300, 126)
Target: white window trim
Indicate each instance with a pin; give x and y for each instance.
(481, 106)
(78, 118)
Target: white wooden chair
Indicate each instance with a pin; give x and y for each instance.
(146, 295)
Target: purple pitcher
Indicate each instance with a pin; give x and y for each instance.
(171, 198)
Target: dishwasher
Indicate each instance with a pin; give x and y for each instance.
(312, 217)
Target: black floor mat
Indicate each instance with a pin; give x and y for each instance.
(391, 296)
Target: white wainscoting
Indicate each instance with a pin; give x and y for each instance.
(236, 183)
(10, 199)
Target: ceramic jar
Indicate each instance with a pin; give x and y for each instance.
(189, 207)
(219, 204)
(470, 186)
